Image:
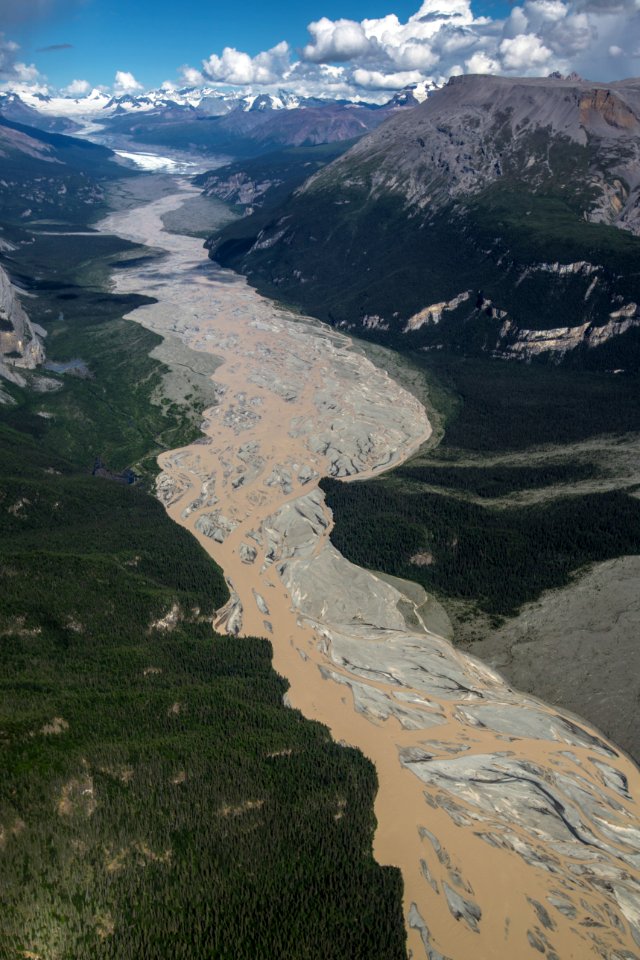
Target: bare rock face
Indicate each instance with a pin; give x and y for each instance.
(238, 188)
(476, 129)
(526, 344)
(605, 111)
(20, 345)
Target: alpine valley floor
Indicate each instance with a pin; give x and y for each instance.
(515, 826)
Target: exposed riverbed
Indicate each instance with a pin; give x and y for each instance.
(515, 826)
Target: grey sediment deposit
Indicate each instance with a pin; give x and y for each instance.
(515, 826)
(589, 631)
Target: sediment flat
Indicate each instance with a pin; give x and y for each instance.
(589, 630)
(515, 826)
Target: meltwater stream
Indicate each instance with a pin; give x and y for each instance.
(515, 826)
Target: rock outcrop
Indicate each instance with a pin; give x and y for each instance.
(557, 341)
(238, 188)
(20, 344)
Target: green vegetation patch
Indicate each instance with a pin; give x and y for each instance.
(158, 800)
(497, 480)
(422, 520)
(107, 412)
(498, 405)
(497, 557)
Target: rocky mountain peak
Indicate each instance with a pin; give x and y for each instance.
(477, 130)
(510, 183)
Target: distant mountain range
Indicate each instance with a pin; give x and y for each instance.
(208, 119)
(500, 216)
(215, 122)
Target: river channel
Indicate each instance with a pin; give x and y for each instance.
(515, 826)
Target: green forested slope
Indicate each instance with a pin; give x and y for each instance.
(157, 800)
(448, 519)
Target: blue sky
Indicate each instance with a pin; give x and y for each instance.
(355, 46)
(153, 38)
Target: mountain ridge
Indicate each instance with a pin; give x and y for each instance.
(208, 118)
(47, 173)
(480, 201)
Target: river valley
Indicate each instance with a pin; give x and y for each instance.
(515, 826)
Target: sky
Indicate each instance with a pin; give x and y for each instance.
(362, 48)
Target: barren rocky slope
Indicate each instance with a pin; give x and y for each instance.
(20, 343)
(589, 632)
(499, 216)
(480, 129)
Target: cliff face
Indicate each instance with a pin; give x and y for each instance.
(604, 111)
(20, 345)
(239, 189)
(487, 219)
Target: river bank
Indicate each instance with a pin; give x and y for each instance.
(515, 827)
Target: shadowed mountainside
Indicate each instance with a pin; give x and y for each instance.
(499, 217)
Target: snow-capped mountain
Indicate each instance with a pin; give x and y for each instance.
(100, 104)
(269, 101)
(57, 105)
(14, 107)
(207, 119)
(28, 103)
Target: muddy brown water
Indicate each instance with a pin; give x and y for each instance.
(515, 826)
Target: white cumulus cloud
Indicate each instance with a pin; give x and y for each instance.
(371, 58)
(338, 40)
(77, 88)
(125, 83)
(27, 72)
(375, 80)
(12, 69)
(191, 76)
(238, 68)
(523, 52)
(481, 63)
